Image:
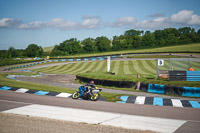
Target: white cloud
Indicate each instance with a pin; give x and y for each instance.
(195, 20)
(153, 24)
(181, 18)
(32, 25)
(155, 15)
(89, 22)
(62, 24)
(9, 23)
(125, 21)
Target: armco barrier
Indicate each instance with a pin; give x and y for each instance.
(121, 84)
(172, 90)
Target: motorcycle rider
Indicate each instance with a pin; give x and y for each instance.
(85, 89)
(91, 84)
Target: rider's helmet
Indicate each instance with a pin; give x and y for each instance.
(91, 82)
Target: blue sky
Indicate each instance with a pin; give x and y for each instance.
(50, 22)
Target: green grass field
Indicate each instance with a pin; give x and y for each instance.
(125, 71)
(126, 67)
(189, 48)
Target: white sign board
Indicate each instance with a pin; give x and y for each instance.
(160, 62)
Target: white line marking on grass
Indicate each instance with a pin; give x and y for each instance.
(137, 67)
(126, 68)
(116, 67)
(99, 66)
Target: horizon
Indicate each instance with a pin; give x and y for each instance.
(49, 22)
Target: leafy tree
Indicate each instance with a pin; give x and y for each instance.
(116, 43)
(160, 39)
(148, 40)
(133, 32)
(185, 30)
(198, 32)
(103, 44)
(147, 32)
(194, 37)
(20, 53)
(137, 42)
(89, 45)
(71, 46)
(184, 39)
(57, 52)
(171, 39)
(34, 50)
(125, 42)
(3, 54)
(11, 52)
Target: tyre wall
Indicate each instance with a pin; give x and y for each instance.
(121, 84)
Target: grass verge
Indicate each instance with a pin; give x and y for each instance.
(188, 48)
(159, 56)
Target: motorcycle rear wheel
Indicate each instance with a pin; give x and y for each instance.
(95, 97)
(76, 95)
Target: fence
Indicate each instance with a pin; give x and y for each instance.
(179, 64)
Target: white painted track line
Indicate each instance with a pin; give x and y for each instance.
(66, 95)
(176, 103)
(140, 100)
(98, 117)
(61, 113)
(22, 90)
(146, 123)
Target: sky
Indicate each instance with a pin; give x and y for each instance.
(50, 22)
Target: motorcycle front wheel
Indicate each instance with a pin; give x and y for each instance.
(95, 96)
(76, 95)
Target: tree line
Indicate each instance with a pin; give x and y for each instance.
(33, 50)
(131, 39)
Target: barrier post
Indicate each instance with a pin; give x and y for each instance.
(156, 68)
(108, 64)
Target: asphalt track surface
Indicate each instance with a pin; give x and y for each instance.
(11, 100)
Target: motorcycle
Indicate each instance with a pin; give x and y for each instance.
(87, 93)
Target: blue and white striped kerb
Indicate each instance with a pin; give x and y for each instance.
(159, 101)
(37, 92)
